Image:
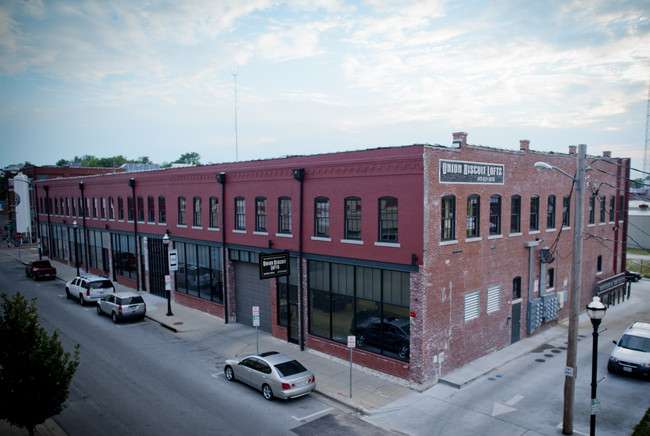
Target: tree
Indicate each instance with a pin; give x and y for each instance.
(35, 371)
(192, 158)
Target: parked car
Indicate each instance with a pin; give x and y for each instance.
(631, 355)
(122, 305)
(393, 330)
(275, 374)
(88, 288)
(40, 269)
(632, 276)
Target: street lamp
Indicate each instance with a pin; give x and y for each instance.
(596, 311)
(166, 240)
(75, 226)
(570, 370)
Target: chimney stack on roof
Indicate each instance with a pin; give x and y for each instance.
(460, 139)
(573, 149)
(607, 154)
(523, 144)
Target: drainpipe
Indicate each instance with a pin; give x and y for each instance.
(38, 223)
(135, 233)
(221, 178)
(49, 223)
(83, 215)
(299, 175)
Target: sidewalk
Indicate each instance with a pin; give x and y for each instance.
(371, 390)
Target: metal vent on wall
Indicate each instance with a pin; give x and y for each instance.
(551, 307)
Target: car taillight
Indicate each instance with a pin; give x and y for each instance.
(88, 292)
(285, 386)
(313, 379)
(119, 308)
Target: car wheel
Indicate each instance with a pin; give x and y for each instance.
(267, 392)
(230, 375)
(99, 310)
(114, 317)
(81, 300)
(403, 352)
(67, 293)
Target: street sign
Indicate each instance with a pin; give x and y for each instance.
(256, 321)
(173, 259)
(568, 371)
(168, 283)
(352, 341)
(256, 310)
(19, 236)
(595, 406)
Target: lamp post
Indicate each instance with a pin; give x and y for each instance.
(596, 311)
(166, 240)
(75, 226)
(570, 370)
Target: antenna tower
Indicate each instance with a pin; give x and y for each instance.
(234, 75)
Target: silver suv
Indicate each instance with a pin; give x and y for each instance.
(88, 289)
(122, 305)
(631, 355)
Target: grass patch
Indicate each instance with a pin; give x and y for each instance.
(643, 427)
(640, 251)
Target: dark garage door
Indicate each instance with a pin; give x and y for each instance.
(251, 291)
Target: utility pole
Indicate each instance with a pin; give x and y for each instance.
(646, 162)
(576, 282)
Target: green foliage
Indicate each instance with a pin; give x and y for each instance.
(192, 158)
(643, 427)
(35, 371)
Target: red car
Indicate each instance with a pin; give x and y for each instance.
(40, 269)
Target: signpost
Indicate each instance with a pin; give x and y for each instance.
(256, 324)
(173, 259)
(352, 343)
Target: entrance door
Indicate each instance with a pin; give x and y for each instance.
(516, 322)
(157, 266)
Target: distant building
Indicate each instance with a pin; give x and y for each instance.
(639, 224)
(430, 256)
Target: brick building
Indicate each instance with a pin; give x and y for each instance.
(431, 256)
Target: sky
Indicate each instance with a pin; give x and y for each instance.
(255, 79)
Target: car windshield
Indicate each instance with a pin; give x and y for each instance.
(103, 284)
(132, 300)
(287, 369)
(636, 343)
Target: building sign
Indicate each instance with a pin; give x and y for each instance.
(274, 265)
(454, 171)
(610, 284)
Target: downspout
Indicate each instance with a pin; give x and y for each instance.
(49, 223)
(221, 178)
(135, 233)
(83, 216)
(299, 175)
(38, 223)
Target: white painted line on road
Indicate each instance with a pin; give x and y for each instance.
(216, 375)
(514, 400)
(501, 409)
(322, 412)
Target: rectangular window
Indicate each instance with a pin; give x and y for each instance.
(182, 220)
(603, 208)
(240, 213)
(67, 206)
(214, 212)
(72, 203)
(495, 215)
(102, 208)
(515, 214)
(566, 211)
(260, 214)
(534, 213)
(140, 209)
(322, 217)
(592, 209)
(473, 216)
(120, 208)
(94, 200)
(87, 207)
(162, 212)
(550, 212)
(472, 305)
(284, 212)
(111, 209)
(612, 208)
(388, 214)
(493, 298)
(196, 221)
(599, 264)
(621, 207)
(448, 213)
(516, 288)
(353, 218)
(151, 209)
(130, 206)
(550, 278)
(56, 206)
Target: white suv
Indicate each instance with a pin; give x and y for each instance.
(632, 352)
(88, 289)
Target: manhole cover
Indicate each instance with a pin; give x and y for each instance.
(178, 323)
(540, 360)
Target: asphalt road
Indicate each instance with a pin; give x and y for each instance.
(139, 378)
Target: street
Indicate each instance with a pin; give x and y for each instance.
(525, 396)
(139, 378)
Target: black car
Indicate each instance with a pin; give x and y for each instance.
(632, 276)
(393, 333)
